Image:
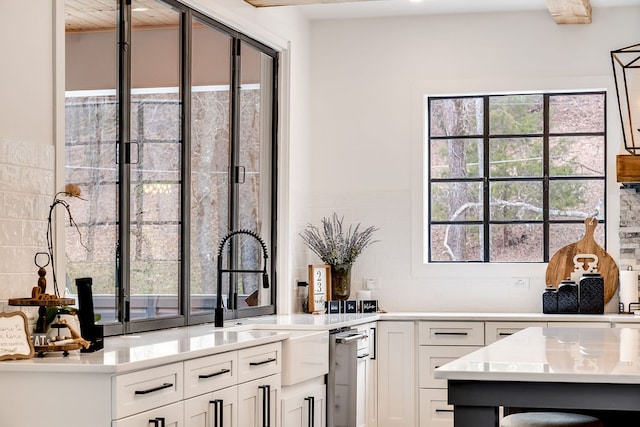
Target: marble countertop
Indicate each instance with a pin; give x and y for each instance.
(148, 349)
(143, 350)
(593, 355)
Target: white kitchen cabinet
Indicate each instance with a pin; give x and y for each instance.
(164, 416)
(396, 373)
(216, 409)
(440, 343)
(494, 331)
(304, 405)
(258, 402)
(434, 409)
(367, 387)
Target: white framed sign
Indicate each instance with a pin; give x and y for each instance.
(15, 341)
(319, 287)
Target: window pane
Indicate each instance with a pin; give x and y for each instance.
(155, 175)
(456, 158)
(576, 113)
(516, 243)
(515, 114)
(210, 102)
(576, 155)
(511, 201)
(456, 117)
(90, 161)
(456, 243)
(456, 201)
(516, 157)
(576, 199)
(255, 152)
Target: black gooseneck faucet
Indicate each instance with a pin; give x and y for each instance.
(219, 311)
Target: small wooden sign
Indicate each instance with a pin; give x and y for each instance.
(319, 287)
(15, 342)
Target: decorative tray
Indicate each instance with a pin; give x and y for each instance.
(65, 348)
(41, 302)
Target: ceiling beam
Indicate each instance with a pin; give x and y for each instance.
(570, 11)
(267, 3)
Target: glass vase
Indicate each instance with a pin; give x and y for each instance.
(340, 282)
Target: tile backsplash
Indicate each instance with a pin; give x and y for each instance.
(629, 229)
(26, 191)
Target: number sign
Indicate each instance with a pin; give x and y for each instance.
(319, 287)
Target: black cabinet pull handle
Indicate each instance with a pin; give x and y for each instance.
(215, 374)
(269, 360)
(158, 388)
(444, 410)
(505, 334)
(218, 416)
(158, 422)
(362, 356)
(372, 333)
(266, 405)
(312, 410)
(452, 333)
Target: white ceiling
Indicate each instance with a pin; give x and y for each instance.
(380, 8)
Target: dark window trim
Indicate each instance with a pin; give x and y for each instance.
(546, 179)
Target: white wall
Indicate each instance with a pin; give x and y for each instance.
(27, 135)
(368, 80)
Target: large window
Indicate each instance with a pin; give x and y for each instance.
(170, 134)
(511, 178)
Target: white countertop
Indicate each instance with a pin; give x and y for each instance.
(587, 355)
(140, 351)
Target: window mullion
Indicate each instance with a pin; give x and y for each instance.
(545, 179)
(184, 291)
(486, 187)
(234, 160)
(124, 166)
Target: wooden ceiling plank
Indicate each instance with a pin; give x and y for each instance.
(271, 3)
(570, 11)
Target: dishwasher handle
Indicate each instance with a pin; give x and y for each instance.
(350, 338)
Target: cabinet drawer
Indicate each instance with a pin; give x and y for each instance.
(494, 331)
(211, 373)
(168, 416)
(434, 409)
(143, 390)
(430, 357)
(451, 333)
(258, 362)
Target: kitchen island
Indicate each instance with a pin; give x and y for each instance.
(557, 368)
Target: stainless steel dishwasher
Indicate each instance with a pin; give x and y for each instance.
(342, 380)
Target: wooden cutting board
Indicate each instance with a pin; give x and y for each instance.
(561, 263)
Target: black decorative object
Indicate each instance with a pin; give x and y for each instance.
(550, 301)
(350, 306)
(369, 306)
(334, 307)
(567, 297)
(86, 315)
(591, 293)
(626, 71)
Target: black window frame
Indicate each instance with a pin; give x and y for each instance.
(485, 179)
(123, 324)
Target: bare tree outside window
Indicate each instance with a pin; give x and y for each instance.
(512, 177)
